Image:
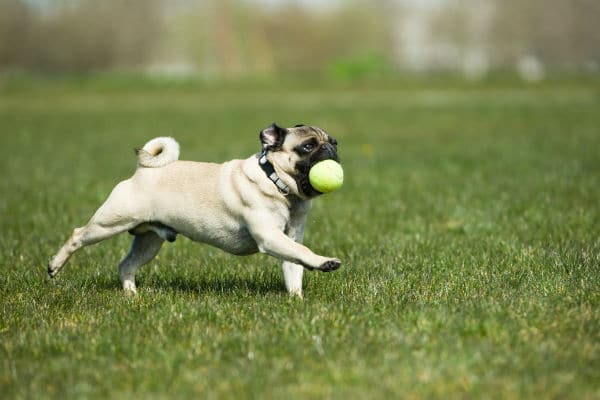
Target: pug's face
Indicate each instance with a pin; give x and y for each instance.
(295, 150)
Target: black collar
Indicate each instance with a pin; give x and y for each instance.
(271, 174)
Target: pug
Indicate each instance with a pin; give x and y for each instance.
(259, 204)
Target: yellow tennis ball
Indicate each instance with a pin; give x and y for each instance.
(326, 176)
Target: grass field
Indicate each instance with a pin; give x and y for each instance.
(468, 227)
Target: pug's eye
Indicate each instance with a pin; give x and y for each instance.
(305, 148)
(308, 147)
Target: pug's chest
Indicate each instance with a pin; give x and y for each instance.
(229, 235)
(234, 234)
(236, 241)
(230, 231)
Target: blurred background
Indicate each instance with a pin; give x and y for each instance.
(353, 39)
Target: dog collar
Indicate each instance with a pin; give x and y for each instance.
(271, 174)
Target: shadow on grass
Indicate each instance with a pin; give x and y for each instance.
(211, 284)
(197, 285)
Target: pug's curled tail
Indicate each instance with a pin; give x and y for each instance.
(158, 152)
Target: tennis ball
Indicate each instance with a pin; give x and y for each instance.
(326, 176)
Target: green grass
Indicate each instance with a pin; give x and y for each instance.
(468, 227)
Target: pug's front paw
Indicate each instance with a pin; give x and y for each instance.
(330, 265)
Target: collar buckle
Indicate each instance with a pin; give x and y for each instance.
(269, 170)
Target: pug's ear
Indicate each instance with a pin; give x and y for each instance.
(273, 136)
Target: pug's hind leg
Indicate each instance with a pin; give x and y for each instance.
(144, 248)
(93, 232)
(117, 214)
